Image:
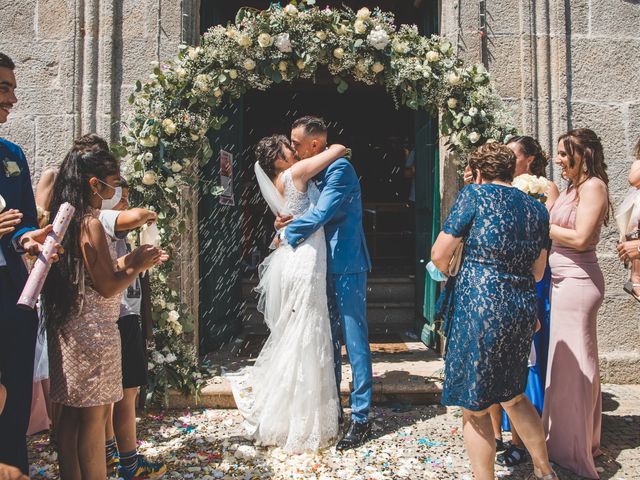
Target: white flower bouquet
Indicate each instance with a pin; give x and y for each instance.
(536, 187)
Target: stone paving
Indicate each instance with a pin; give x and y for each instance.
(422, 442)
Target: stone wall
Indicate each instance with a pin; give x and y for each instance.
(564, 64)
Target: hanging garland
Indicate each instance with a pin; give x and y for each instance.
(165, 140)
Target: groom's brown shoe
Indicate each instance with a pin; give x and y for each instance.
(357, 434)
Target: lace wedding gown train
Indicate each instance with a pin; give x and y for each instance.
(289, 396)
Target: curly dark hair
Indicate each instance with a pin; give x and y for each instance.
(494, 161)
(583, 145)
(312, 125)
(72, 185)
(91, 142)
(531, 148)
(268, 150)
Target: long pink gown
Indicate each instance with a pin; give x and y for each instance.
(573, 403)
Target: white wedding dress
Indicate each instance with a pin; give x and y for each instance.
(289, 397)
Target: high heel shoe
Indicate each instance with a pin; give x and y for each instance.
(548, 476)
(629, 288)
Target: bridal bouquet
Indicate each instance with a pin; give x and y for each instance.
(536, 187)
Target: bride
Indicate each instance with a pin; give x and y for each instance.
(289, 397)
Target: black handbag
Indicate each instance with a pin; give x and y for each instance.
(445, 306)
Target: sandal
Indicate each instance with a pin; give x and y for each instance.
(629, 288)
(512, 456)
(500, 445)
(549, 476)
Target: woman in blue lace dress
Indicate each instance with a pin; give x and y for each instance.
(505, 235)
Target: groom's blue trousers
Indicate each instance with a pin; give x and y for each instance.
(346, 294)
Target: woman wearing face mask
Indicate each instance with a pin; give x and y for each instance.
(81, 306)
(573, 406)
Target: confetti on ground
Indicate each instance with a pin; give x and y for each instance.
(414, 443)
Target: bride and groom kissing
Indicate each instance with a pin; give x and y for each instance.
(312, 289)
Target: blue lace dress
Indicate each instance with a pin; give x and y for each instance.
(495, 305)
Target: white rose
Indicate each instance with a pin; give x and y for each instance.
(168, 126)
(322, 35)
(170, 358)
(217, 92)
(150, 366)
(282, 66)
(454, 79)
(338, 53)
(3, 203)
(378, 38)
(231, 33)
(265, 40)
(157, 357)
(147, 157)
(248, 64)
(176, 167)
(244, 40)
(171, 306)
(291, 10)
(181, 72)
(177, 328)
(195, 137)
(170, 182)
(432, 56)
(202, 83)
(149, 177)
(540, 185)
(360, 27)
(474, 137)
(149, 142)
(445, 47)
(400, 47)
(193, 53)
(173, 316)
(452, 103)
(467, 120)
(342, 30)
(283, 42)
(377, 67)
(363, 14)
(300, 63)
(233, 74)
(473, 111)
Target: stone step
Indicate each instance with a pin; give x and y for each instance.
(382, 317)
(404, 373)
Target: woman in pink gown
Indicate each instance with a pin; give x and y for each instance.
(573, 406)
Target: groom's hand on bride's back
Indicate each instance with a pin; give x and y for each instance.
(282, 221)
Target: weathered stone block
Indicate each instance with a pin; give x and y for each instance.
(608, 122)
(54, 19)
(620, 367)
(20, 129)
(37, 64)
(605, 69)
(618, 322)
(54, 137)
(505, 17)
(578, 16)
(16, 21)
(615, 18)
(506, 67)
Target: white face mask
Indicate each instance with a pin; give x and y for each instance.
(109, 203)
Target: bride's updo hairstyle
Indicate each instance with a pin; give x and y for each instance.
(268, 150)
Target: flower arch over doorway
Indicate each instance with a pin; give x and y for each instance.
(165, 139)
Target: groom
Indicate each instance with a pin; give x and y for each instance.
(339, 210)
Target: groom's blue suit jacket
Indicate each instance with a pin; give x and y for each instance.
(339, 210)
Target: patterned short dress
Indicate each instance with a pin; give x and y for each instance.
(84, 355)
(495, 306)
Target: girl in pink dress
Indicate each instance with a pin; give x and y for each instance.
(573, 406)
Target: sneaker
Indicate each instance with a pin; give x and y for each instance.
(145, 470)
(113, 466)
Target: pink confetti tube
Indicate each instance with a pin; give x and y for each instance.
(40, 270)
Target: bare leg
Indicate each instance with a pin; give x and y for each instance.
(124, 421)
(67, 441)
(91, 451)
(108, 431)
(496, 420)
(515, 438)
(46, 388)
(56, 412)
(480, 443)
(525, 418)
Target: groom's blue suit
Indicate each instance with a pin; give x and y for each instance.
(339, 210)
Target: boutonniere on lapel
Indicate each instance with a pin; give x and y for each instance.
(11, 168)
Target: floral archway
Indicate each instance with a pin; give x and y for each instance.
(165, 140)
